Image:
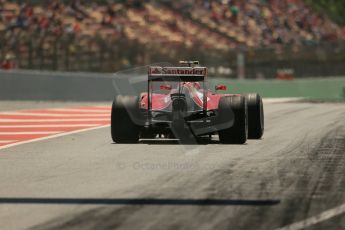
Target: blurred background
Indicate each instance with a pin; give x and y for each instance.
(236, 39)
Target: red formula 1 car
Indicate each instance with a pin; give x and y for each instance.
(178, 104)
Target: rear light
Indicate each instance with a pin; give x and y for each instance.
(220, 87)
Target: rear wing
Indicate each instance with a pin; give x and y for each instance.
(176, 73)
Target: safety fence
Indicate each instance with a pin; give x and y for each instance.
(98, 54)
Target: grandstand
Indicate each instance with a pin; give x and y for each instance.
(109, 35)
(259, 23)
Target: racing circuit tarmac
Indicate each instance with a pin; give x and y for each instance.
(292, 179)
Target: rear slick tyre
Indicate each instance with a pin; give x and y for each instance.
(124, 111)
(255, 116)
(237, 133)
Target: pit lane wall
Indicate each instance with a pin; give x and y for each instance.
(62, 86)
(332, 88)
(59, 86)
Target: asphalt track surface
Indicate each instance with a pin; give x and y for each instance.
(294, 178)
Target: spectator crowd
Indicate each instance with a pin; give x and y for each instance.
(263, 23)
(168, 25)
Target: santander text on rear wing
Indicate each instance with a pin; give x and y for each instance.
(177, 73)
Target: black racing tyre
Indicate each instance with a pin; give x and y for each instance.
(124, 126)
(234, 107)
(255, 116)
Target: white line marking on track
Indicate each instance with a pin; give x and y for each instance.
(50, 126)
(53, 136)
(6, 141)
(28, 133)
(315, 219)
(281, 100)
(52, 115)
(82, 110)
(55, 120)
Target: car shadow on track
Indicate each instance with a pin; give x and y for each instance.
(164, 141)
(134, 201)
(205, 141)
(177, 142)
